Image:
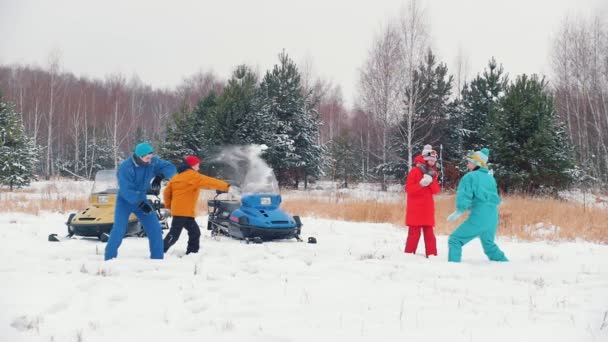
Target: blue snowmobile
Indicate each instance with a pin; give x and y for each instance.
(255, 218)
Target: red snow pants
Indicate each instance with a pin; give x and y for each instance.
(413, 236)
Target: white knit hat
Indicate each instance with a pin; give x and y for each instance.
(428, 153)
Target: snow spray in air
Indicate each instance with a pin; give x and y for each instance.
(243, 167)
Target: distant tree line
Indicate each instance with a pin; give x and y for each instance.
(543, 133)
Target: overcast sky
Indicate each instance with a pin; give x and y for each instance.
(165, 41)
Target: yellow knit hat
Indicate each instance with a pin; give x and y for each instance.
(479, 158)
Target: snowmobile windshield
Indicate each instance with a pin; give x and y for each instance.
(105, 182)
(260, 186)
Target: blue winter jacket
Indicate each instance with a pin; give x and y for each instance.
(477, 189)
(134, 180)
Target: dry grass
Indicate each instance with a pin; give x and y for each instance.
(521, 218)
(25, 204)
(347, 210)
(47, 198)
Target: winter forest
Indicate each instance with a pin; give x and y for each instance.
(547, 132)
(296, 171)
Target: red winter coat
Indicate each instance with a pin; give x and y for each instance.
(420, 207)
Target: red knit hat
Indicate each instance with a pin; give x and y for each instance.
(192, 160)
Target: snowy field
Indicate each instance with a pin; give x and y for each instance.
(354, 285)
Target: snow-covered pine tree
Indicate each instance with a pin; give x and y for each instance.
(432, 89)
(18, 152)
(528, 142)
(237, 118)
(294, 151)
(307, 143)
(452, 135)
(453, 152)
(190, 133)
(478, 99)
(202, 129)
(177, 142)
(101, 154)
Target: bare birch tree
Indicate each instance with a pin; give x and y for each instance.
(580, 69)
(461, 71)
(414, 34)
(380, 83)
(198, 86)
(115, 126)
(54, 60)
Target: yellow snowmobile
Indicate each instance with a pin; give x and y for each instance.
(97, 220)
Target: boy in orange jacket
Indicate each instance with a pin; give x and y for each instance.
(181, 197)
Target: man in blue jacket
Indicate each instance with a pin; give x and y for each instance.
(477, 192)
(134, 176)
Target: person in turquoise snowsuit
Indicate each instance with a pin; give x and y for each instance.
(477, 192)
(134, 176)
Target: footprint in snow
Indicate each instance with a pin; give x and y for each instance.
(26, 323)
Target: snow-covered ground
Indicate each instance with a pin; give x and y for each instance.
(586, 198)
(354, 285)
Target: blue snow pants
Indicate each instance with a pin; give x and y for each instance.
(121, 219)
(482, 222)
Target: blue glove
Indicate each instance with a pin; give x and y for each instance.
(454, 215)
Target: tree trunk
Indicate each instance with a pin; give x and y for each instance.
(115, 135)
(49, 137)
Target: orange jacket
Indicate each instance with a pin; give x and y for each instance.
(181, 194)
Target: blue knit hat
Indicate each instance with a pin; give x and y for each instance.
(143, 148)
(479, 158)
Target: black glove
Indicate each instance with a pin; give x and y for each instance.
(155, 186)
(219, 192)
(145, 207)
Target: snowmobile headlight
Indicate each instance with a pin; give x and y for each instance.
(265, 200)
(103, 199)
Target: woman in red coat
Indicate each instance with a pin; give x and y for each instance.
(420, 186)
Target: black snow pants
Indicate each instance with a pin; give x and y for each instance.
(194, 233)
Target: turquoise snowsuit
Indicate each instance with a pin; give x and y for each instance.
(133, 183)
(477, 192)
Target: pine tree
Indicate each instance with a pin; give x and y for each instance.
(102, 154)
(179, 141)
(203, 129)
(237, 118)
(452, 132)
(190, 133)
(311, 152)
(432, 89)
(343, 164)
(18, 153)
(529, 143)
(478, 99)
(452, 140)
(294, 150)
